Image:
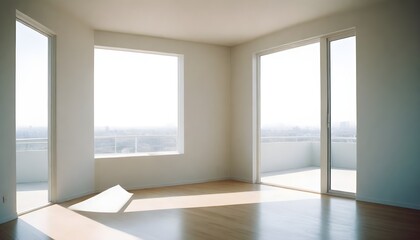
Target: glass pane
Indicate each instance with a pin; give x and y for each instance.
(31, 118)
(136, 102)
(290, 118)
(343, 114)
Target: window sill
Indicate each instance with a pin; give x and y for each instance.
(132, 155)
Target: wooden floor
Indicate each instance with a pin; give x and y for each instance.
(221, 210)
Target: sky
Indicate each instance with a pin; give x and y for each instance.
(31, 77)
(135, 89)
(343, 81)
(290, 86)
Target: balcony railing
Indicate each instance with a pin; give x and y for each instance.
(110, 144)
(134, 144)
(31, 144)
(305, 139)
(285, 153)
(139, 143)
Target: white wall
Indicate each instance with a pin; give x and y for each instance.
(388, 94)
(206, 119)
(74, 101)
(389, 105)
(7, 111)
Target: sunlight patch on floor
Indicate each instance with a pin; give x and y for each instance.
(219, 199)
(310, 179)
(61, 223)
(108, 201)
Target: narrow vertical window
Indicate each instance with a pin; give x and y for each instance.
(342, 80)
(138, 106)
(32, 117)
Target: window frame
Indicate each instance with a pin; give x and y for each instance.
(327, 41)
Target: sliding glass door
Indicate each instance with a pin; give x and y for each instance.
(290, 117)
(291, 151)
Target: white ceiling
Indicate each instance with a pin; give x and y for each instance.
(222, 22)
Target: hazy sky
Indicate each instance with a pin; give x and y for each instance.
(290, 85)
(343, 81)
(134, 89)
(140, 89)
(31, 77)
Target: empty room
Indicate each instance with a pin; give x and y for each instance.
(222, 119)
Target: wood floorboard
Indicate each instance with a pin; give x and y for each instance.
(221, 210)
(21, 230)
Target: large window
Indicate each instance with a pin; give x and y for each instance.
(138, 102)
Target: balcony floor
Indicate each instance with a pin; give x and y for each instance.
(31, 196)
(309, 179)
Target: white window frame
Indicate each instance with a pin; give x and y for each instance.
(180, 130)
(327, 131)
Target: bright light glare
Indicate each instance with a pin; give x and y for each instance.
(134, 89)
(290, 88)
(60, 223)
(219, 199)
(31, 77)
(343, 81)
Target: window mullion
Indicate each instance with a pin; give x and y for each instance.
(324, 114)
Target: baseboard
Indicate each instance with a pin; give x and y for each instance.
(146, 186)
(241, 180)
(176, 183)
(68, 198)
(386, 202)
(8, 218)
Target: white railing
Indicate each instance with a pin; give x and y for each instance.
(135, 144)
(304, 139)
(31, 144)
(31, 160)
(286, 155)
(111, 144)
(140, 143)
